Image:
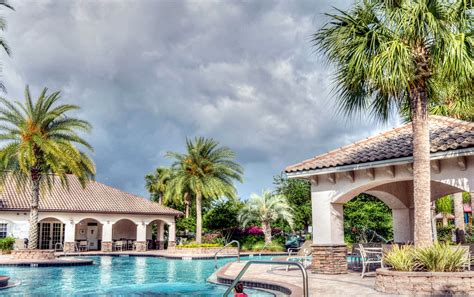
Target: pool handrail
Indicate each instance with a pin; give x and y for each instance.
(229, 243)
(289, 263)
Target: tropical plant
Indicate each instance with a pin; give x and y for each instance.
(222, 217)
(208, 171)
(7, 243)
(444, 205)
(266, 208)
(400, 258)
(439, 257)
(3, 42)
(405, 52)
(40, 144)
(156, 183)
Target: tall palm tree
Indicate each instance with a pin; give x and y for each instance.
(266, 208)
(207, 170)
(3, 27)
(391, 53)
(39, 144)
(156, 183)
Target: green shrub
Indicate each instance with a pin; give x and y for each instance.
(400, 258)
(439, 257)
(197, 245)
(273, 247)
(445, 233)
(6, 244)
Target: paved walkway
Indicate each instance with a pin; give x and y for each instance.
(319, 285)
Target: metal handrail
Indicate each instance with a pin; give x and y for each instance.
(238, 251)
(247, 265)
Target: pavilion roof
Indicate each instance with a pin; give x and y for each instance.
(94, 198)
(446, 134)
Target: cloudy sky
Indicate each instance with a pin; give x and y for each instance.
(148, 74)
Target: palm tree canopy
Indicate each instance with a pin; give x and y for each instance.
(444, 205)
(205, 168)
(156, 183)
(382, 50)
(39, 139)
(267, 207)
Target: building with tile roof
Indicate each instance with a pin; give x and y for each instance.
(382, 166)
(90, 218)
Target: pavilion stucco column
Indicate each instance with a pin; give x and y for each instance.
(141, 245)
(172, 235)
(69, 237)
(107, 236)
(329, 252)
(161, 235)
(401, 225)
(458, 211)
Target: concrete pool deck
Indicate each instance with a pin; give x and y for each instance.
(272, 276)
(6, 260)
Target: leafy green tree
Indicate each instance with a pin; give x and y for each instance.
(266, 208)
(3, 42)
(223, 216)
(364, 217)
(156, 183)
(444, 205)
(40, 143)
(298, 194)
(208, 171)
(404, 52)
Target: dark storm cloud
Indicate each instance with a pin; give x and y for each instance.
(147, 74)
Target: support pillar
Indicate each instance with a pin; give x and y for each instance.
(69, 237)
(140, 245)
(106, 245)
(172, 235)
(458, 211)
(328, 250)
(401, 225)
(161, 235)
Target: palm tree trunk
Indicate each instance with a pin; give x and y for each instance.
(421, 162)
(160, 199)
(267, 232)
(445, 220)
(458, 211)
(186, 203)
(198, 218)
(472, 208)
(33, 232)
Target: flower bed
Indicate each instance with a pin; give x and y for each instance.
(424, 283)
(201, 250)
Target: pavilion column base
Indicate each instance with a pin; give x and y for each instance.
(140, 246)
(106, 246)
(329, 258)
(69, 247)
(171, 244)
(160, 245)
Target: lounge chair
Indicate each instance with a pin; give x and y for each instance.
(83, 246)
(303, 255)
(119, 245)
(370, 255)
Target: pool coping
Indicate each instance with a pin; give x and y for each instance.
(46, 263)
(174, 257)
(256, 283)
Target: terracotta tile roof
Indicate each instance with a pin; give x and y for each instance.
(445, 134)
(95, 198)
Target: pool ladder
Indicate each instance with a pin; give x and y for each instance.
(288, 263)
(238, 252)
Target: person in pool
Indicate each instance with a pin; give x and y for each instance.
(239, 290)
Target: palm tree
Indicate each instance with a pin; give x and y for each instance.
(267, 209)
(39, 145)
(444, 206)
(402, 52)
(207, 170)
(156, 183)
(3, 27)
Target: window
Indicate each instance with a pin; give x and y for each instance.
(3, 230)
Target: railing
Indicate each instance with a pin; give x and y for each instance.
(247, 265)
(238, 251)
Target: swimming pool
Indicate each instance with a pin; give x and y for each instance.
(139, 276)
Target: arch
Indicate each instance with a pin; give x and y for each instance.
(52, 218)
(90, 230)
(155, 234)
(124, 229)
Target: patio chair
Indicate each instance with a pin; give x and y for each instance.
(370, 256)
(58, 247)
(119, 245)
(303, 256)
(130, 244)
(83, 246)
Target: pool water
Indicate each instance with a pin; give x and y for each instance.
(121, 276)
